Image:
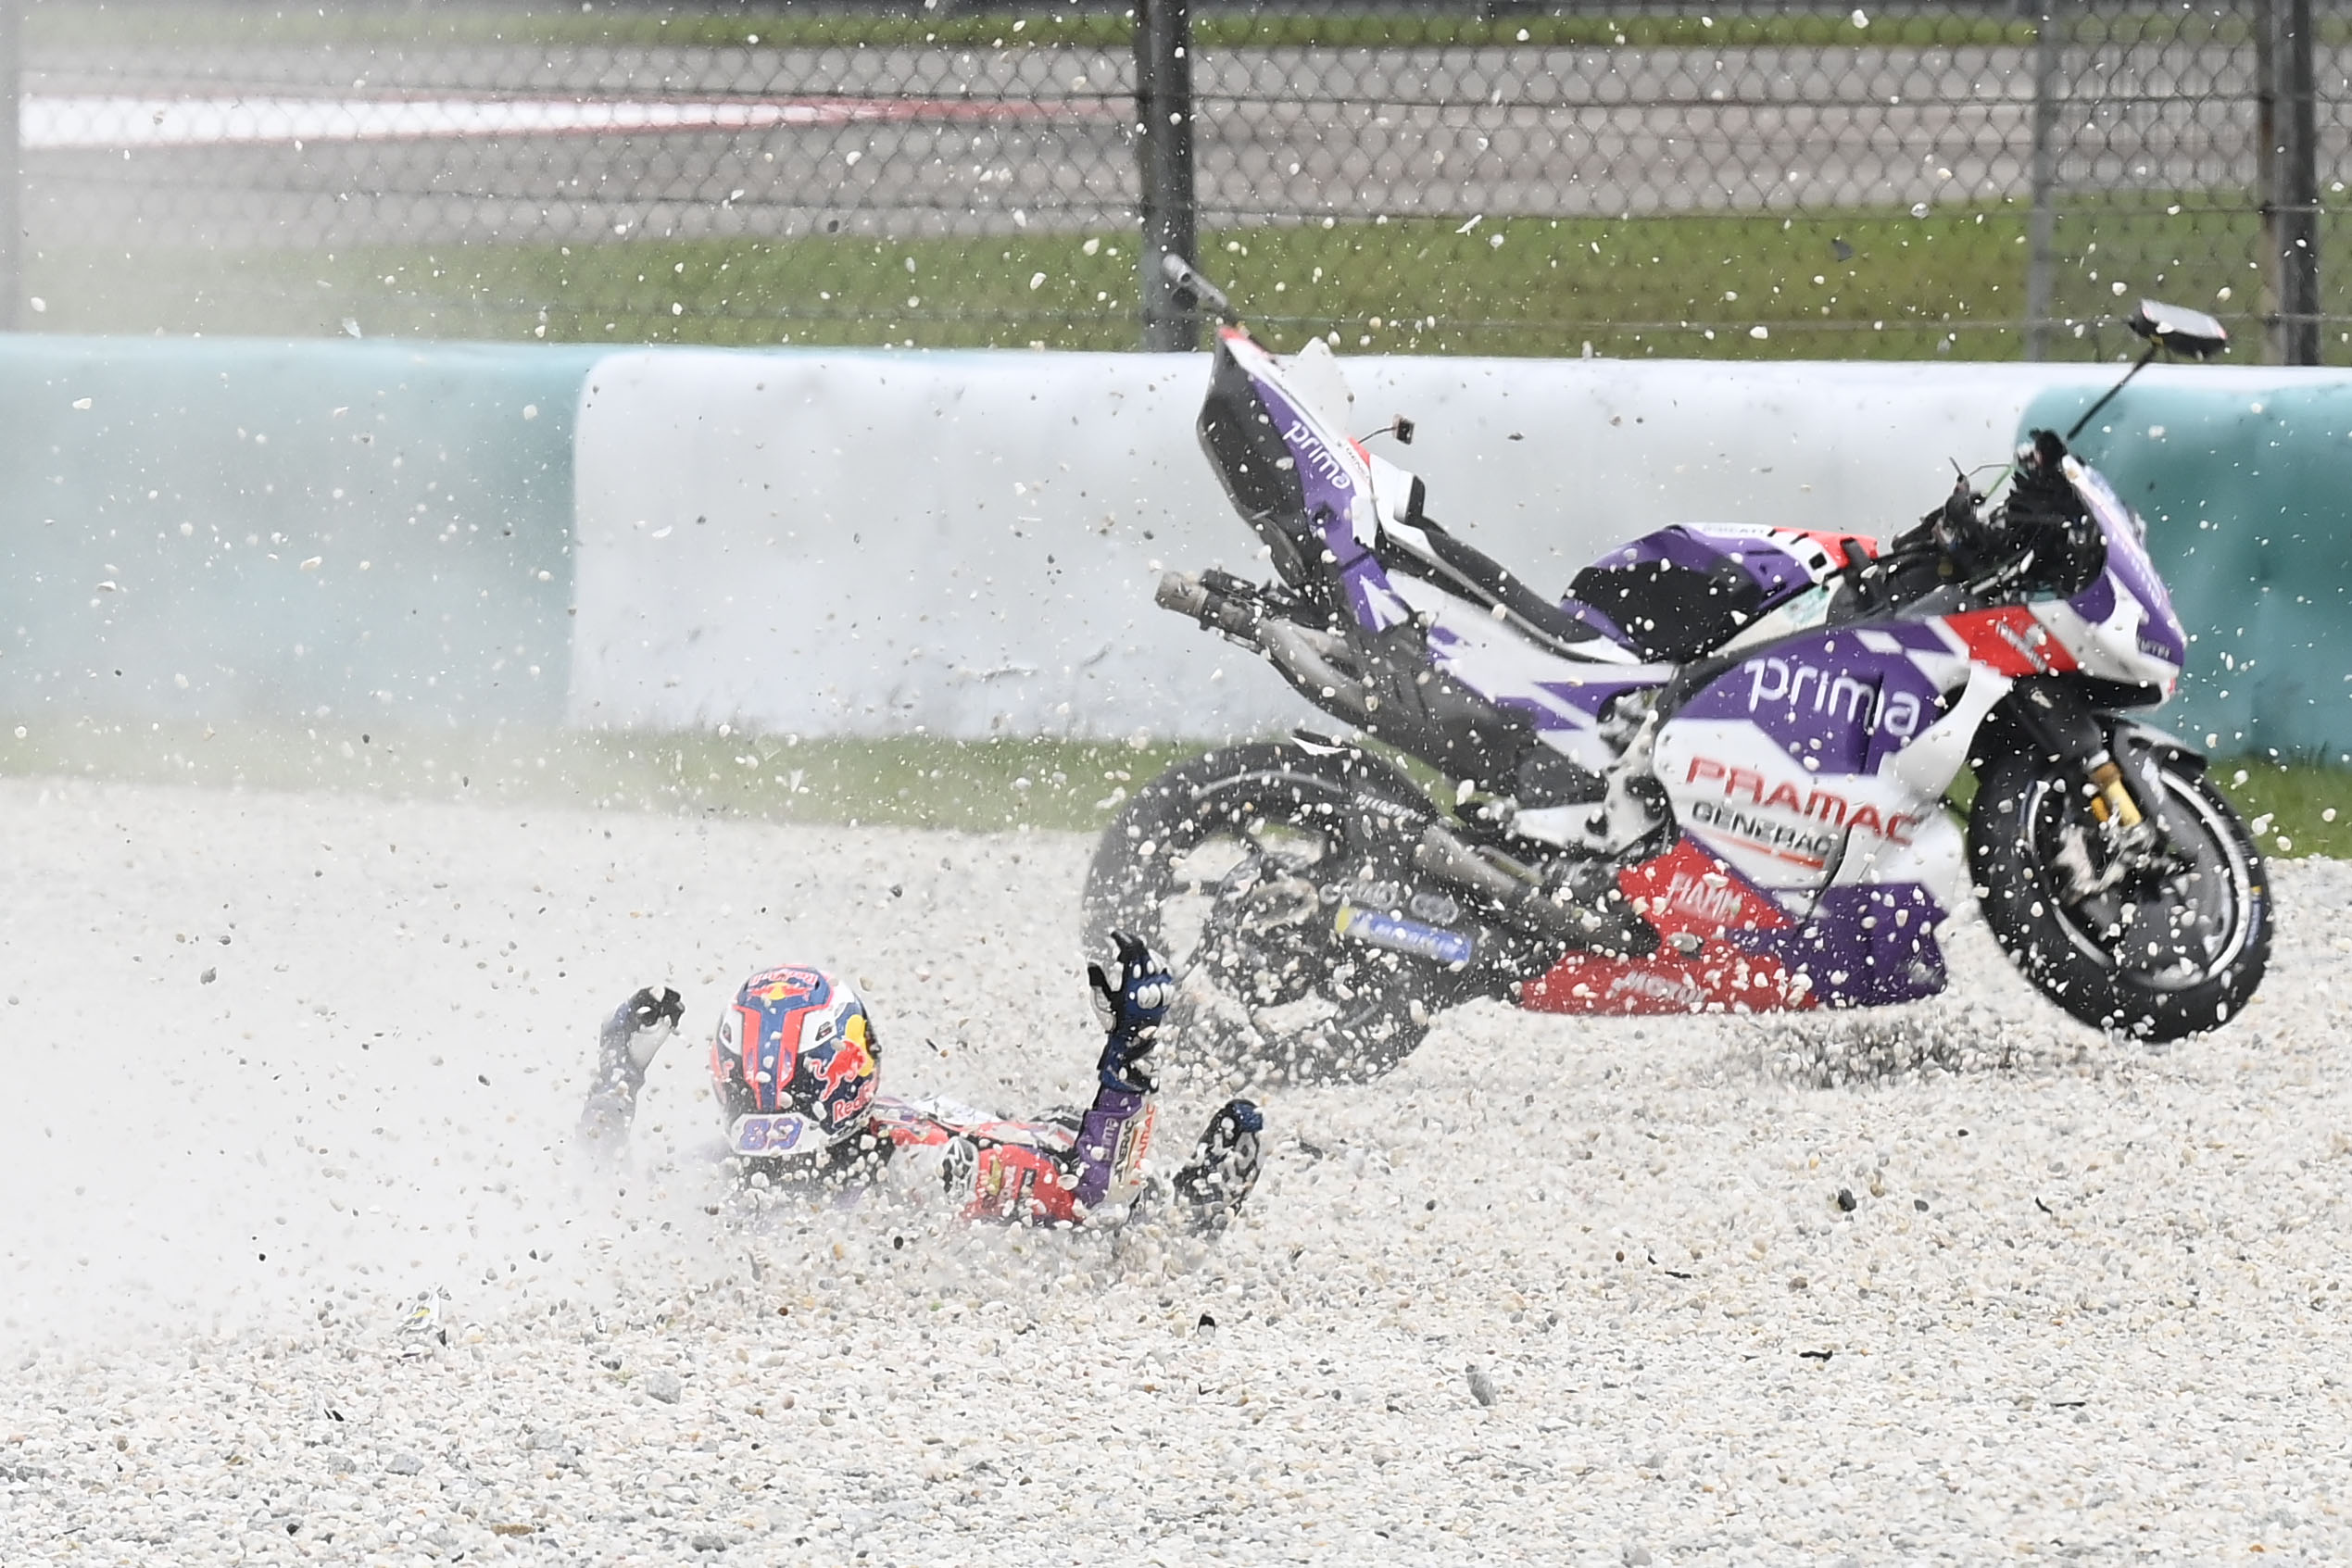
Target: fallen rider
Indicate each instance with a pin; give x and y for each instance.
(797, 1068)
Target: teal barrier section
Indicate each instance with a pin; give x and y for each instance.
(201, 529)
(2247, 494)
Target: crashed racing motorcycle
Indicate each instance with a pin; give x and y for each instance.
(1712, 778)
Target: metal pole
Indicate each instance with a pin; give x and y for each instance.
(2294, 207)
(2288, 194)
(2041, 261)
(11, 167)
(1163, 149)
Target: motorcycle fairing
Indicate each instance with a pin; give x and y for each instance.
(2011, 639)
(1793, 831)
(1811, 802)
(1796, 769)
(2123, 626)
(1562, 698)
(1837, 701)
(1334, 476)
(1856, 946)
(1718, 978)
(1783, 763)
(1694, 900)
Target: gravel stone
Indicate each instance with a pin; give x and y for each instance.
(664, 1384)
(2188, 1286)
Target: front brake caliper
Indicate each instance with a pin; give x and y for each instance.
(2083, 878)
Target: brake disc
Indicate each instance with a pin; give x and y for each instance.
(1264, 939)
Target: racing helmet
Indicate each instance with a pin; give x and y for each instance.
(794, 1062)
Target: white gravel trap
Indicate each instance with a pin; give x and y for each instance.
(1964, 1281)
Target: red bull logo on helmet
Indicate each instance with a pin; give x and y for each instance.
(784, 984)
(849, 1065)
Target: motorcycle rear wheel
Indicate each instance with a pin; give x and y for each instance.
(2172, 952)
(1219, 864)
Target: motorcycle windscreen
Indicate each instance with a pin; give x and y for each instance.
(2157, 647)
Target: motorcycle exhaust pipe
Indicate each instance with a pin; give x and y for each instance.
(1294, 651)
(1224, 613)
(1442, 855)
(1521, 892)
(1185, 593)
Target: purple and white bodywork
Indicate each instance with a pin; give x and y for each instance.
(1804, 766)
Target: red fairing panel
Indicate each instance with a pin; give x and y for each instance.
(2009, 641)
(1684, 893)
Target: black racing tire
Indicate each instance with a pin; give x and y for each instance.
(2159, 956)
(1374, 1006)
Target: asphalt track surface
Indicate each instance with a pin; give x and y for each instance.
(414, 147)
(2082, 1298)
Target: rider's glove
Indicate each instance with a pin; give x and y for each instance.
(645, 1009)
(627, 1045)
(635, 1032)
(1130, 1008)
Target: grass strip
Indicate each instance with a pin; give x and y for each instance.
(1867, 283)
(2298, 808)
(977, 786)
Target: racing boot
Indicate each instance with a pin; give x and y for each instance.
(1223, 1169)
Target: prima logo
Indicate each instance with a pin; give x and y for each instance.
(1315, 456)
(1834, 695)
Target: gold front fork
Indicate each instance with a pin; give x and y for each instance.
(2111, 800)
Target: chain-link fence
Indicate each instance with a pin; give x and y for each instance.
(1674, 179)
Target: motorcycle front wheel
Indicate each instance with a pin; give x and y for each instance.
(1221, 863)
(2172, 949)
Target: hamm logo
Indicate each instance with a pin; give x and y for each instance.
(1709, 899)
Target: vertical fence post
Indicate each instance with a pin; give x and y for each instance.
(2040, 259)
(2286, 118)
(1164, 146)
(11, 168)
